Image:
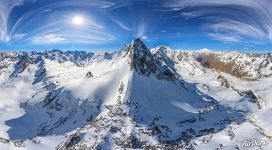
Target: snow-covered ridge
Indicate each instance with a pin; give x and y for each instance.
(250, 66)
(243, 65)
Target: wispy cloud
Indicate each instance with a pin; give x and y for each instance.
(142, 27)
(48, 39)
(234, 19)
(225, 38)
(6, 7)
(120, 24)
(10, 31)
(19, 36)
(144, 37)
(233, 31)
(224, 20)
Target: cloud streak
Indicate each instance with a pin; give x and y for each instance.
(6, 7)
(229, 20)
(48, 39)
(232, 21)
(122, 25)
(36, 34)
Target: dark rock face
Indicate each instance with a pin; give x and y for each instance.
(250, 94)
(89, 74)
(254, 97)
(223, 81)
(141, 59)
(143, 62)
(6, 60)
(41, 72)
(22, 64)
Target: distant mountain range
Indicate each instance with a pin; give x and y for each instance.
(135, 98)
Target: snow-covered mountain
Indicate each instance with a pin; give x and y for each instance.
(136, 98)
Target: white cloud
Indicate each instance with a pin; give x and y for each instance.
(233, 31)
(121, 24)
(19, 36)
(48, 39)
(225, 38)
(144, 37)
(6, 6)
(141, 29)
(148, 39)
(248, 19)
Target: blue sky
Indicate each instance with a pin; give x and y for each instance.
(242, 25)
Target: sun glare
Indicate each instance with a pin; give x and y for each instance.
(78, 20)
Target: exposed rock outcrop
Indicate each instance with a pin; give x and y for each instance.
(89, 74)
(141, 59)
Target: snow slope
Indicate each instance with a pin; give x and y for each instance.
(135, 98)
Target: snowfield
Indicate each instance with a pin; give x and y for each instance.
(136, 98)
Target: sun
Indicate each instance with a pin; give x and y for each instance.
(78, 20)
